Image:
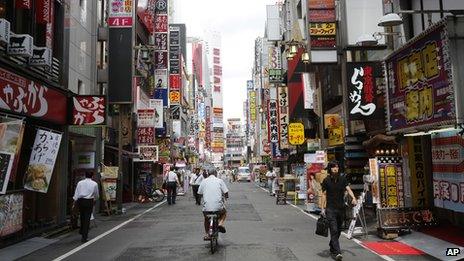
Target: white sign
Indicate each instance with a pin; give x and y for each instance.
(274, 58)
(85, 160)
(308, 92)
(176, 128)
(161, 79)
(310, 157)
(283, 116)
(42, 160)
(145, 118)
(148, 153)
(21, 45)
(157, 105)
(321, 157)
(120, 13)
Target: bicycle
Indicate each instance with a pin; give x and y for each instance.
(213, 230)
(157, 195)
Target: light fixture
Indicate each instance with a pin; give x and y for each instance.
(293, 49)
(366, 40)
(390, 19)
(145, 54)
(290, 56)
(305, 57)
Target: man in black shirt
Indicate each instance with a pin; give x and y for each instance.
(333, 207)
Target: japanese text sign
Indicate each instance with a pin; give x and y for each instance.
(274, 58)
(282, 95)
(146, 135)
(323, 15)
(362, 90)
(420, 91)
(252, 101)
(391, 183)
(88, 110)
(420, 184)
(321, 4)
(42, 14)
(161, 23)
(145, 118)
(42, 160)
(23, 96)
(273, 121)
(120, 13)
(322, 29)
(448, 171)
(174, 97)
(275, 75)
(405, 217)
(296, 134)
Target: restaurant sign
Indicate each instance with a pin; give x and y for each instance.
(420, 89)
(88, 110)
(23, 96)
(120, 13)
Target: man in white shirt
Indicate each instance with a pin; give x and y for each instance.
(84, 197)
(195, 181)
(172, 181)
(214, 191)
(270, 175)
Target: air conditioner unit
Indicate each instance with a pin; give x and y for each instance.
(4, 31)
(21, 45)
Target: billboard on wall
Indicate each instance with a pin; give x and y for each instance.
(448, 170)
(362, 89)
(420, 88)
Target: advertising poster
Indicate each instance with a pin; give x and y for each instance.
(161, 79)
(88, 110)
(336, 136)
(11, 139)
(6, 164)
(11, 214)
(148, 153)
(145, 118)
(164, 152)
(157, 105)
(374, 172)
(362, 90)
(448, 171)
(42, 161)
(296, 134)
(420, 91)
(146, 135)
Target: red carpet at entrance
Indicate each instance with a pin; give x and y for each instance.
(447, 233)
(391, 248)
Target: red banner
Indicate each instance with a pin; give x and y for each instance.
(42, 11)
(88, 110)
(50, 27)
(23, 96)
(23, 4)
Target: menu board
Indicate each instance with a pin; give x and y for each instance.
(42, 160)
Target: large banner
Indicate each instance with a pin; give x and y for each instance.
(420, 91)
(448, 170)
(284, 118)
(362, 90)
(11, 214)
(42, 161)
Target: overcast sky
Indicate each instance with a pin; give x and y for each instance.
(239, 22)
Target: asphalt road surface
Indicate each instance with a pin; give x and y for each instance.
(257, 229)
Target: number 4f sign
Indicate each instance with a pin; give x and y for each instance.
(296, 133)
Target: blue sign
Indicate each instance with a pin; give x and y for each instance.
(161, 94)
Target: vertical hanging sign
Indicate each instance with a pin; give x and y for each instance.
(273, 123)
(283, 115)
(119, 13)
(42, 13)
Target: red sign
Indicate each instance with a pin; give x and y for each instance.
(23, 96)
(88, 110)
(323, 42)
(50, 27)
(322, 15)
(161, 24)
(174, 82)
(146, 14)
(321, 4)
(120, 21)
(146, 135)
(42, 11)
(23, 4)
(161, 60)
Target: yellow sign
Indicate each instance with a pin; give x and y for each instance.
(336, 136)
(252, 101)
(332, 121)
(296, 133)
(322, 29)
(174, 96)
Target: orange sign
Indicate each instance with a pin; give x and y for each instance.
(174, 96)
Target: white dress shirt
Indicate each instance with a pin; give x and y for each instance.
(86, 188)
(172, 177)
(196, 179)
(212, 190)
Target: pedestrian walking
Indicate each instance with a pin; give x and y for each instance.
(172, 181)
(195, 182)
(333, 206)
(270, 175)
(84, 198)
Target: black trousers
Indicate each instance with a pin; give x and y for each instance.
(171, 187)
(85, 210)
(335, 218)
(195, 194)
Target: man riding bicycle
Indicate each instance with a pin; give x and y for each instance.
(214, 191)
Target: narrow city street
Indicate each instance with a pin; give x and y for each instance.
(257, 229)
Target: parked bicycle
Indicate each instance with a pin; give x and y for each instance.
(158, 195)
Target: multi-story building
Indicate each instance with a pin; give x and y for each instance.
(235, 137)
